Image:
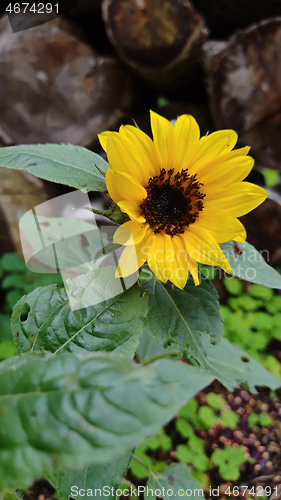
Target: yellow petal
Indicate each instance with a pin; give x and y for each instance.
(211, 146)
(202, 247)
(222, 226)
(144, 148)
(130, 233)
(169, 256)
(125, 156)
(241, 238)
(122, 186)
(133, 257)
(227, 173)
(132, 209)
(193, 269)
(103, 137)
(164, 138)
(156, 257)
(187, 136)
(237, 199)
(180, 264)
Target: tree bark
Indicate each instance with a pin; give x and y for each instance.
(244, 86)
(159, 39)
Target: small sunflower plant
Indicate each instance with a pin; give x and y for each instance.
(105, 361)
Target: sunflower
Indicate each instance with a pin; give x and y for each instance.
(181, 193)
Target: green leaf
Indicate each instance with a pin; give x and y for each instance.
(149, 349)
(233, 286)
(184, 453)
(138, 470)
(207, 416)
(13, 262)
(52, 325)
(229, 461)
(5, 331)
(265, 419)
(7, 349)
(229, 418)
(189, 410)
(261, 292)
(63, 164)
(101, 481)
(271, 176)
(185, 317)
(250, 265)
(184, 428)
(253, 420)
(201, 461)
(15, 281)
(215, 401)
(230, 359)
(174, 478)
(159, 441)
(60, 411)
(8, 494)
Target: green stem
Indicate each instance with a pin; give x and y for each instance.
(160, 356)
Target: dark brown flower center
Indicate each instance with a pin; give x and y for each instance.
(173, 201)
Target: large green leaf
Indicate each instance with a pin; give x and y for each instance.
(69, 411)
(52, 325)
(149, 349)
(247, 263)
(230, 359)
(106, 478)
(61, 163)
(168, 484)
(185, 317)
(227, 358)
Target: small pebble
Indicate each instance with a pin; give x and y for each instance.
(238, 400)
(257, 467)
(245, 395)
(238, 434)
